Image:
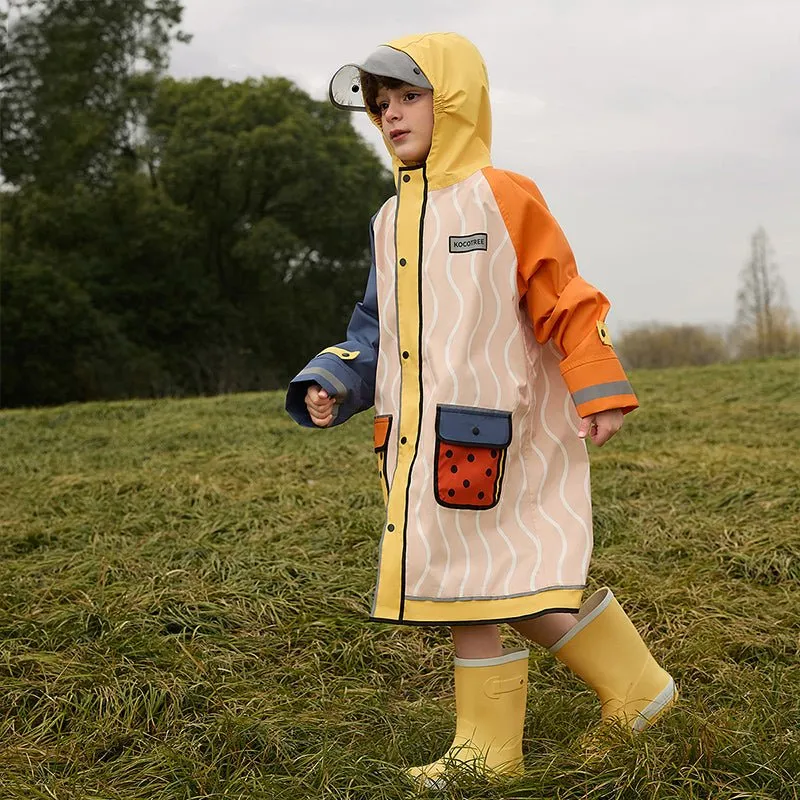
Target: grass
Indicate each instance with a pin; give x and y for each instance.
(184, 587)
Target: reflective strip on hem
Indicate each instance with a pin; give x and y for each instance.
(465, 598)
(466, 611)
(601, 390)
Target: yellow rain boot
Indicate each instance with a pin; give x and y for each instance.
(605, 651)
(491, 695)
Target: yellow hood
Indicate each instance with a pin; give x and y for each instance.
(462, 128)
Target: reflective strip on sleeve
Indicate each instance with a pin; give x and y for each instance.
(319, 372)
(601, 390)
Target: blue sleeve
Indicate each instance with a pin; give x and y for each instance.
(347, 369)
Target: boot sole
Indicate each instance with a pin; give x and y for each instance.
(442, 782)
(500, 774)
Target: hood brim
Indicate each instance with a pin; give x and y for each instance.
(344, 90)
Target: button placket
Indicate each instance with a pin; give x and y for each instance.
(411, 191)
(405, 354)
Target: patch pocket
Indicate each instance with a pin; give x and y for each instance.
(471, 447)
(381, 430)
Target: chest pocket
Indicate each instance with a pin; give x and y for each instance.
(471, 447)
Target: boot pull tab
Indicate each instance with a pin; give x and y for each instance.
(494, 687)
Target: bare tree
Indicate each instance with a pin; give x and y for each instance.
(764, 324)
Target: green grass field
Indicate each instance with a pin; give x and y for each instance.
(185, 586)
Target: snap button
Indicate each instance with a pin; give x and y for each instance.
(403, 440)
(476, 430)
(405, 354)
(390, 528)
(406, 178)
(402, 262)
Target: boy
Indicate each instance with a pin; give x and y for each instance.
(488, 360)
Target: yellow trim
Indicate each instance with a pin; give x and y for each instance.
(411, 196)
(345, 355)
(480, 610)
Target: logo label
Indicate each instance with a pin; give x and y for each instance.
(466, 244)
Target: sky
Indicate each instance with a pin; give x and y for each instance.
(662, 134)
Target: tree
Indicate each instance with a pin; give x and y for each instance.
(77, 79)
(166, 236)
(235, 255)
(85, 292)
(764, 319)
(282, 188)
(57, 346)
(657, 345)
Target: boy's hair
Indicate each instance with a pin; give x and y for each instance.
(372, 84)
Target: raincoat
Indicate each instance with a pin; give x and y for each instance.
(480, 347)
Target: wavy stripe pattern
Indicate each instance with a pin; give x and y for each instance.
(478, 350)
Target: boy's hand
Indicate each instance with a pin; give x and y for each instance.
(320, 406)
(601, 426)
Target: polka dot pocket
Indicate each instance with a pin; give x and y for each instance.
(471, 446)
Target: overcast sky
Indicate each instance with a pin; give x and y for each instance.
(662, 133)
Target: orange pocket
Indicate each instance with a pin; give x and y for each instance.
(380, 432)
(471, 446)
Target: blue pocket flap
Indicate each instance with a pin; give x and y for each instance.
(464, 425)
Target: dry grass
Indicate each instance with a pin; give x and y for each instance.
(184, 585)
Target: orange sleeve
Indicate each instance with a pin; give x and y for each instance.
(562, 306)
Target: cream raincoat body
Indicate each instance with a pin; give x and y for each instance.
(480, 347)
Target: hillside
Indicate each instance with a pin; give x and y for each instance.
(184, 587)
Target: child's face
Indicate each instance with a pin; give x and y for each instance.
(407, 121)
